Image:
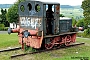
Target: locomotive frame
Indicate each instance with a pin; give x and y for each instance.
(40, 27)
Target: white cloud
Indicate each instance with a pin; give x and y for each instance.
(66, 2)
(62, 2)
(7, 1)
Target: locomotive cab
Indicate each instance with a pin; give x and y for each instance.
(39, 16)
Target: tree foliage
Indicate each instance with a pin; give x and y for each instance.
(80, 23)
(3, 19)
(3, 15)
(73, 22)
(61, 15)
(87, 32)
(86, 11)
(12, 15)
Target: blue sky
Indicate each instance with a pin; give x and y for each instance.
(62, 2)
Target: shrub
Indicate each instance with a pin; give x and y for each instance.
(4, 29)
(80, 34)
(2, 26)
(87, 32)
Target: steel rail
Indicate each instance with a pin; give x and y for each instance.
(72, 45)
(10, 49)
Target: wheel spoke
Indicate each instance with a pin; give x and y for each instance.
(49, 45)
(67, 40)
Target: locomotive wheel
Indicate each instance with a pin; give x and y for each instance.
(49, 45)
(67, 40)
(58, 46)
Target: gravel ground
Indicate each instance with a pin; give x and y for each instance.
(3, 32)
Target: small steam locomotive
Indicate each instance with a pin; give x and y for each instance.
(40, 26)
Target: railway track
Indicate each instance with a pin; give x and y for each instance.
(10, 49)
(40, 51)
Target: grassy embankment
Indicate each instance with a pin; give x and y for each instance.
(68, 12)
(73, 53)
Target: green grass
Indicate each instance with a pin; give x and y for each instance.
(7, 40)
(82, 51)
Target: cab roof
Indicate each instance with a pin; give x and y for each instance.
(54, 3)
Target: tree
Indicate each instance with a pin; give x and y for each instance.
(0, 19)
(80, 23)
(61, 15)
(86, 11)
(3, 19)
(73, 22)
(12, 15)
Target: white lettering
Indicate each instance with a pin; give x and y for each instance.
(30, 22)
